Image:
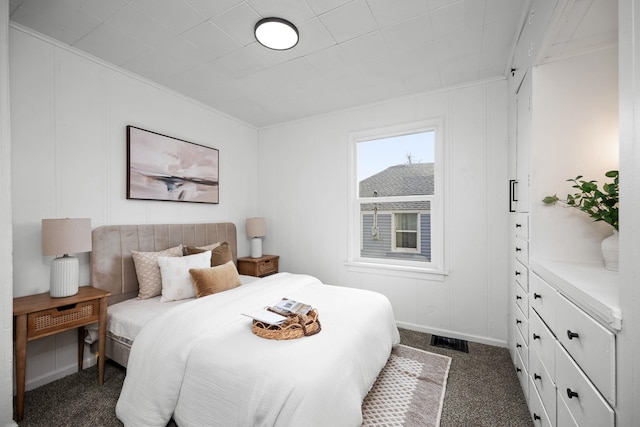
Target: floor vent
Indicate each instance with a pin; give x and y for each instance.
(450, 343)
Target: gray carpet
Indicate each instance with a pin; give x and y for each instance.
(482, 390)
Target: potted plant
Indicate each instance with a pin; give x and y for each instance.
(599, 204)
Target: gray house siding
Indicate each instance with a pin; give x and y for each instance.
(381, 248)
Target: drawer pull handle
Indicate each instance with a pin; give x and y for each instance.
(536, 377)
(536, 337)
(572, 335)
(518, 370)
(571, 393)
(518, 273)
(518, 345)
(536, 417)
(66, 307)
(518, 249)
(518, 297)
(518, 321)
(518, 225)
(536, 296)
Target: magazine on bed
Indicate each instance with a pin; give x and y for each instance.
(276, 314)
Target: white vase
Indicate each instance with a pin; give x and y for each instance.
(610, 251)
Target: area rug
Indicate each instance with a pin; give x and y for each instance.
(409, 392)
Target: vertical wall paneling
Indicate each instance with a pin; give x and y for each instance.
(68, 127)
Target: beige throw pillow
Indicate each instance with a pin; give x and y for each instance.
(207, 281)
(176, 281)
(148, 271)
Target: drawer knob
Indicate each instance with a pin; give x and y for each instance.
(518, 345)
(518, 249)
(536, 296)
(518, 370)
(572, 335)
(536, 337)
(518, 225)
(518, 321)
(536, 376)
(536, 417)
(518, 273)
(518, 297)
(571, 393)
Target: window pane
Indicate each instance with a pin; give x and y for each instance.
(407, 240)
(407, 221)
(397, 166)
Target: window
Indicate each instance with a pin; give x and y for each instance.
(396, 197)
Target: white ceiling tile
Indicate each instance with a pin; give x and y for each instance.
(137, 25)
(313, 37)
(58, 19)
(325, 60)
(211, 39)
(111, 45)
(393, 12)
(211, 8)
(409, 35)
(370, 46)
(458, 17)
(349, 21)
(176, 15)
(238, 22)
(323, 6)
(460, 69)
(459, 45)
(100, 9)
(295, 11)
(437, 4)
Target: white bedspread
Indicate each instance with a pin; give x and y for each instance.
(201, 363)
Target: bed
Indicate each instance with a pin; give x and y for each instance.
(196, 360)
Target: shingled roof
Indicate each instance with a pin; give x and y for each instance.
(408, 179)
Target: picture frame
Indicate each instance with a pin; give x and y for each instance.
(161, 167)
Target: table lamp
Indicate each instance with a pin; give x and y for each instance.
(63, 237)
(256, 230)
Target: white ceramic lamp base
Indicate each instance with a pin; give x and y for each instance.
(256, 247)
(64, 276)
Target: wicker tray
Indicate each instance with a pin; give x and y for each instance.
(296, 326)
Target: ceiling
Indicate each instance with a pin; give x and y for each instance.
(351, 52)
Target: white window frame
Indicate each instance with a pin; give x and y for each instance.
(394, 231)
(408, 268)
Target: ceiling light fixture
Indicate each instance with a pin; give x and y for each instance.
(276, 33)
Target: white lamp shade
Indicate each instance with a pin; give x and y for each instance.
(256, 227)
(66, 236)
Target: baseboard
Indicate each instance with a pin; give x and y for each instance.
(32, 383)
(452, 334)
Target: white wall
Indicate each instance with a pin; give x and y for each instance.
(6, 287)
(304, 196)
(69, 115)
(575, 127)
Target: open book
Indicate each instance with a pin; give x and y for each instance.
(272, 316)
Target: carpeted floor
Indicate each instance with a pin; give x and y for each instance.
(482, 390)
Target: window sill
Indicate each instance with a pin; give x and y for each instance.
(396, 270)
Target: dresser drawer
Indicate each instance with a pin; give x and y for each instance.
(542, 341)
(544, 383)
(536, 408)
(523, 375)
(590, 344)
(521, 274)
(47, 322)
(521, 322)
(521, 249)
(564, 417)
(522, 299)
(521, 347)
(522, 225)
(586, 405)
(542, 298)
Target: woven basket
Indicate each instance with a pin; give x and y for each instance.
(296, 326)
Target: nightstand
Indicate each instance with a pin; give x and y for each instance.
(38, 316)
(259, 267)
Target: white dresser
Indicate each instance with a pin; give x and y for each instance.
(573, 318)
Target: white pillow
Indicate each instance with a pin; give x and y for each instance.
(176, 280)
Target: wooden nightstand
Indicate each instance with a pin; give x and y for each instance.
(38, 316)
(259, 267)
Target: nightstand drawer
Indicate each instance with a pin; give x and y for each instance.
(267, 267)
(52, 320)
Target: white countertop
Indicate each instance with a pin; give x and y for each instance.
(590, 286)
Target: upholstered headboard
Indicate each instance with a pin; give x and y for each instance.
(112, 267)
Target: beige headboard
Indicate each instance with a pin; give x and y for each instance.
(112, 266)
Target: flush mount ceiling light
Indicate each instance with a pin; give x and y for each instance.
(276, 33)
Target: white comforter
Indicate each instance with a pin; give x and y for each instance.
(201, 363)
